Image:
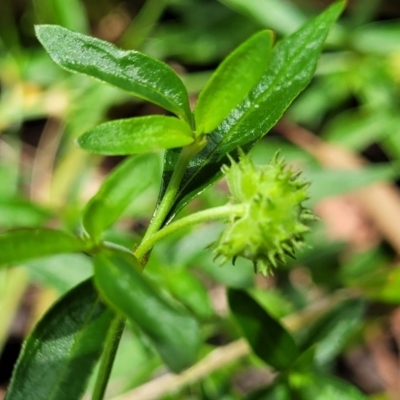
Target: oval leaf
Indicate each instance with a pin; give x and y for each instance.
(292, 65)
(136, 135)
(131, 70)
(174, 333)
(232, 81)
(59, 355)
(266, 336)
(25, 244)
(125, 182)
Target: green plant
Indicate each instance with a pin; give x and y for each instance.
(242, 101)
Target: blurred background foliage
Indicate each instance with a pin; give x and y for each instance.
(342, 294)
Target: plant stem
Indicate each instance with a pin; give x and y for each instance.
(142, 25)
(221, 212)
(168, 199)
(117, 327)
(108, 357)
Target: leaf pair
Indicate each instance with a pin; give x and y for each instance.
(292, 64)
(156, 82)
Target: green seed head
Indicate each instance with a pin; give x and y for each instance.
(274, 220)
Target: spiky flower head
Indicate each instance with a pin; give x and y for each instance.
(274, 219)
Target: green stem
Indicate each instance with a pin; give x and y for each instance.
(215, 213)
(108, 357)
(168, 199)
(117, 327)
(143, 24)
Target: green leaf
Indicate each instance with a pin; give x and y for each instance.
(132, 71)
(189, 290)
(358, 129)
(59, 355)
(71, 14)
(322, 387)
(120, 188)
(330, 182)
(332, 331)
(280, 15)
(266, 336)
(232, 81)
(292, 65)
(61, 272)
(174, 333)
(25, 244)
(378, 37)
(136, 135)
(16, 213)
(276, 391)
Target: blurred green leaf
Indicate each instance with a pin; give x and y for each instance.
(325, 92)
(276, 391)
(70, 14)
(322, 387)
(132, 71)
(25, 244)
(291, 67)
(232, 81)
(201, 34)
(58, 356)
(356, 130)
(120, 188)
(136, 135)
(187, 289)
(8, 178)
(18, 213)
(274, 301)
(266, 336)
(381, 37)
(331, 332)
(330, 182)
(61, 272)
(174, 333)
(280, 15)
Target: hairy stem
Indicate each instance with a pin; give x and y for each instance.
(168, 199)
(215, 213)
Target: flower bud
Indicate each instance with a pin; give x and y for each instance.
(274, 221)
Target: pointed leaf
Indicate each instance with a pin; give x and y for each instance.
(174, 333)
(59, 355)
(132, 71)
(331, 332)
(136, 135)
(232, 81)
(25, 244)
(292, 65)
(282, 16)
(120, 188)
(323, 387)
(266, 336)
